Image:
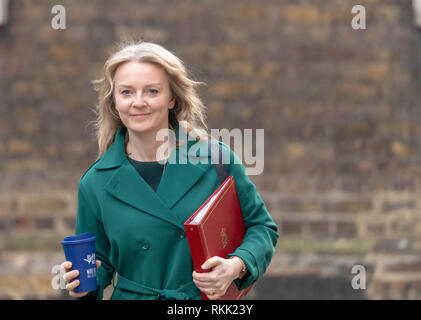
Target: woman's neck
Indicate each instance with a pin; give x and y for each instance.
(144, 146)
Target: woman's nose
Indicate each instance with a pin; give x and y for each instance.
(138, 100)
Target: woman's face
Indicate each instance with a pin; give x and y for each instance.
(142, 96)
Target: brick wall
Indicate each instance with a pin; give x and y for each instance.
(339, 108)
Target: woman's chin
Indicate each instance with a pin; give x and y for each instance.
(138, 127)
(142, 127)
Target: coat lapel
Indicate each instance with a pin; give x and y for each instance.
(128, 186)
(179, 177)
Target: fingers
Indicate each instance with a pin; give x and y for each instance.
(66, 265)
(215, 282)
(211, 263)
(70, 275)
(98, 264)
(203, 285)
(213, 289)
(72, 285)
(211, 292)
(214, 294)
(203, 276)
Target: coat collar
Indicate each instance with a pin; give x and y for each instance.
(127, 185)
(115, 155)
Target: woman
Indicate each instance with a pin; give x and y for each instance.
(136, 203)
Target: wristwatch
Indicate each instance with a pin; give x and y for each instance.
(243, 269)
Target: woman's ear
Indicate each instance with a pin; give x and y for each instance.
(172, 103)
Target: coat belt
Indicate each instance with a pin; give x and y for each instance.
(185, 292)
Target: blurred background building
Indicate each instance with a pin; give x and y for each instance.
(340, 109)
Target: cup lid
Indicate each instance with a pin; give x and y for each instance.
(79, 236)
(71, 240)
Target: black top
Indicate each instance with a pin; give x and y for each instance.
(151, 171)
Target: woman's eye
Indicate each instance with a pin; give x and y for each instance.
(153, 91)
(125, 92)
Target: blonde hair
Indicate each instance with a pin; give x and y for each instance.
(188, 106)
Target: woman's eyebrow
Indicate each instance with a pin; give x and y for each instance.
(124, 85)
(153, 84)
(148, 85)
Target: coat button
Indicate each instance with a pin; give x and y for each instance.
(144, 245)
(181, 235)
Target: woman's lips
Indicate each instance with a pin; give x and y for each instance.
(140, 115)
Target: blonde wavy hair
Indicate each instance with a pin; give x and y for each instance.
(188, 106)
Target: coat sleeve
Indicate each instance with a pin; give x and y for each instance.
(88, 219)
(259, 243)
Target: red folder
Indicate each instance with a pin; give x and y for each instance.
(217, 229)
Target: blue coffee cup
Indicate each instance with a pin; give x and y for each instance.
(80, 250)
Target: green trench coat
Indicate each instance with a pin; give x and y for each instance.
(140, 233)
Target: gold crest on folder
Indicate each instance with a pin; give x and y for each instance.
(224, 237)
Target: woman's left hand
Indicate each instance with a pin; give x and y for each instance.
(216, 282)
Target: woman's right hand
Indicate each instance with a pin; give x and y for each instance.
(70, 275)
